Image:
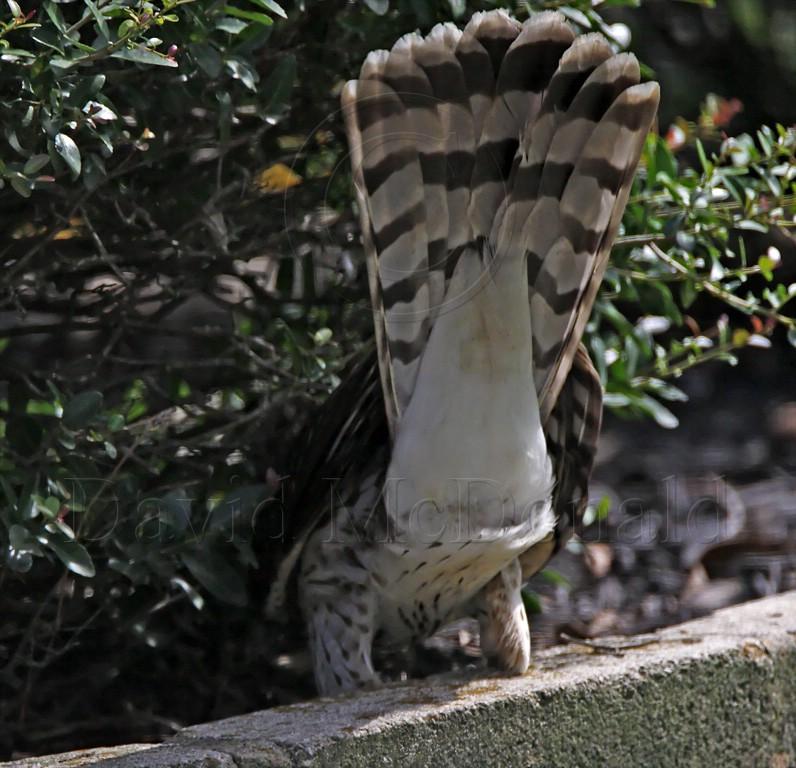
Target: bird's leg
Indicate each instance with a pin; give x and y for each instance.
(505, 635)
(339, 606)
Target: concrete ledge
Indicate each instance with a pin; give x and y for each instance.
(719, 691)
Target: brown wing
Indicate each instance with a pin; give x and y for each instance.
(572, 432)
(346, 442)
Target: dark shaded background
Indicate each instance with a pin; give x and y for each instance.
(741, 48)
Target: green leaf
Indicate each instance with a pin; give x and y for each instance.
(603, 508)
(555, 578)
(59, 62)
(11, 496)
(270, 5)
(665, 390)
(56, 17)
(224, 130)
(94, 171)
(260, 18)
(49, 507)
(99, 18)
(279, 84)
(71, 553)
(379, 7)
(23, 187)
(35, 163)
(688, 293)
(598, 356)
(13, 54)
(208, 58)
(237, 507)
(22, 540)
(322, 336)
(240, 70)
(216, 575)
(56, 526)
(138, 573)
(662, 415)
(616, 318)
(576, 16)
(136, 411)
(82, 409)
(143, 55)
(125, 28)
(531, 601)
(707, 166)
(115, 422)
(233, 26)
(664, 160)
(615, 400)
(174, 510)
(19, 562)
(49, 38)
(631, 353)
(754, 226)
(686, 241)
(67, 149)
(196, 599)
(767, 266)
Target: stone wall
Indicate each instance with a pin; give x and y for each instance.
(716, 692)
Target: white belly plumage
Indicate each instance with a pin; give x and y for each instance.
(469, 483)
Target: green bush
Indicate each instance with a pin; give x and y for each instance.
(181, 288)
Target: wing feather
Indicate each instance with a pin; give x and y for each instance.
(572, 431)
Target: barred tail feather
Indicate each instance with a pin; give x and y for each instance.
(435, 54)
(591, 207)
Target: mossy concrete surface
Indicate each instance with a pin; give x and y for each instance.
(715, 693)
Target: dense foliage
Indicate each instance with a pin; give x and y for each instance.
(182, 284)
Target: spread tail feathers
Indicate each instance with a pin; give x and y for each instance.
(521, 135)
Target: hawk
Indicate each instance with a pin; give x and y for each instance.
(492, 166)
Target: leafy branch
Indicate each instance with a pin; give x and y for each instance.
(688, 229)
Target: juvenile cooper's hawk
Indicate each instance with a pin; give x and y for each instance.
(492, 166)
